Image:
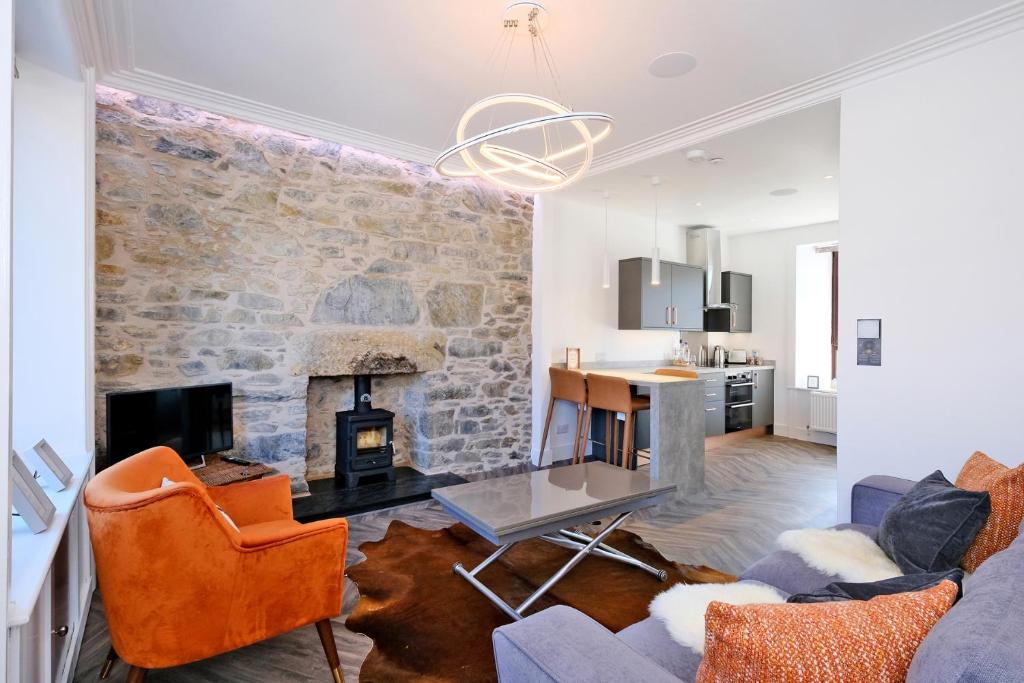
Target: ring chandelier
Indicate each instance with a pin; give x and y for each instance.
(538, 144)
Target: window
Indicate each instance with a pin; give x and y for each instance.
(816, 313)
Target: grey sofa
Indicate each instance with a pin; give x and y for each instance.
(980, 640)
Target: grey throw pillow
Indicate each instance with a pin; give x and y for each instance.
(839, 591)
(931, 527)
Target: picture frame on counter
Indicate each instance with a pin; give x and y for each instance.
(28, 497)
(54, 463)
(572, 358)
(813, 382)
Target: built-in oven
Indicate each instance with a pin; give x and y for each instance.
(739, 400)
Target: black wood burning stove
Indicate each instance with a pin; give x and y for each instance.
(365, 439)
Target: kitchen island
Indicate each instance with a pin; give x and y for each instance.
(677, 424)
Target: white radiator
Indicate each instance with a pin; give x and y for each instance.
(823, 411)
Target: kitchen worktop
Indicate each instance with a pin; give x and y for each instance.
(643, 375)
(637, 376)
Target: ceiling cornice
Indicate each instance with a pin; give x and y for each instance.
(974, 31)
(147, 83)
(103, 32)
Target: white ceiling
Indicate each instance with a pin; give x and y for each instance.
(793, 151)
(399, 72)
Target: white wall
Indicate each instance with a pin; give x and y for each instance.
(570, 308)
(770, 257)
(52, 215)
(932, 242)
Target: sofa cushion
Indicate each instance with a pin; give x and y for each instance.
(1005, 486)
(979, 640)
(651, 639)
(871, 640)
(931, 527)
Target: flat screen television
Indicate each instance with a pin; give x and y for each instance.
(194, 421)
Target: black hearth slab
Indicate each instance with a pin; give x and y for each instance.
(329, 498)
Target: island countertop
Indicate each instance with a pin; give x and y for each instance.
(637, 376)
(676, 423)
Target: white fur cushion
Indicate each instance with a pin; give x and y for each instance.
(681, 608)
(846, 553)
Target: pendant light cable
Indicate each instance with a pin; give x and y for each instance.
(606, 276)
(656, 254)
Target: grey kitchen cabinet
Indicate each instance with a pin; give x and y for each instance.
(714, 403)
(737, 289)
(764, 397)
(688, 297)
(714, 418)
(675, 304)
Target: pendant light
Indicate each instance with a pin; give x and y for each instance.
(606, 272)
(520, 141)
(656, 254)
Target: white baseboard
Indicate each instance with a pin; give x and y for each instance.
(804, 434)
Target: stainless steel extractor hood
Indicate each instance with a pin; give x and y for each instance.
(704, 249)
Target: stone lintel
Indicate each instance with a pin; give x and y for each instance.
(369, 352)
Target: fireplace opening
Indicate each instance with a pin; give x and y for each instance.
(365, 438)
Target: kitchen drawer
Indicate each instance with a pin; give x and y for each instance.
(714, 387)
(714, 418)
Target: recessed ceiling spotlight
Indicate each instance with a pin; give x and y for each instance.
(829, 177)
(784, 192)
(699, 204)
(697, 156)
(672, 65)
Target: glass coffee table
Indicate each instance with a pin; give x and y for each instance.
(547, 504)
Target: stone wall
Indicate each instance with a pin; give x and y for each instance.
(228, 251)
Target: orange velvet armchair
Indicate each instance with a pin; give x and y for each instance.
(181, 584)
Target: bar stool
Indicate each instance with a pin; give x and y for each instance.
(566, 385)
(677, 372)
(612, 395)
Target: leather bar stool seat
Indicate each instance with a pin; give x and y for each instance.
(569, 386)
(613, 395)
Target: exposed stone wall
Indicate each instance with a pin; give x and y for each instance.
(228, 251)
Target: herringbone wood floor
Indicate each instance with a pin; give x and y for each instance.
(755, 490)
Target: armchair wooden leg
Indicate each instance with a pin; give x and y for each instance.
(108, 663)
(326, 633)
(136, 675)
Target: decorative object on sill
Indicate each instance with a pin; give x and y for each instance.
(812, 381)
(655, 255)
(28, 497)
(405, 604)
(869, 341)
(53, 463)
(606, 272)
(516, 151)
(572, 358)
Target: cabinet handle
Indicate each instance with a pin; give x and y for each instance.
(675, 315)
(711, 394)
(60, 632)
(710, 410)
(668, 316)
(740, 405)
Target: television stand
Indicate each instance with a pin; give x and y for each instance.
(220, 472)
(197, 465)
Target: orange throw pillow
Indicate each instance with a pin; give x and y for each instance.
(1006, 489)
(824, 642)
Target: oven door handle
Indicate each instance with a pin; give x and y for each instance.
(740, 405)
(739, 384)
